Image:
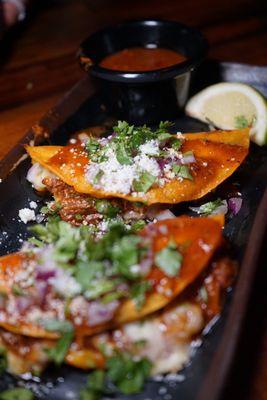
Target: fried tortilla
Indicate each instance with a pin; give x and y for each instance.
(196, 238)
(217, 155)
(168, 349)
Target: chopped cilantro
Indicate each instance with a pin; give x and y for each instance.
(122, 371)
(138, 225)
(182, 171)
(169, 260)
(97, 380)
(125, 253)
(210, 207)
(35, 241)
(138, 293)
(128, 374)
(17, 291)
(113, 296)
(164, 136)
(106, 208)
(98, 176)
(17, 394)
(93, 147)
(144, 183)
(122, 155)
(55, 325)
(100, 287)
(58, 353)
(176, 144)
(241, 122)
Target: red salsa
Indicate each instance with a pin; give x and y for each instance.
(142, 59)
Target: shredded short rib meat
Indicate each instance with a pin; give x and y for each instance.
(78, 208)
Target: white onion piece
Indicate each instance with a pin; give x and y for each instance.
(165, 214)
(221, 210)
(36, 174)
(188, 159)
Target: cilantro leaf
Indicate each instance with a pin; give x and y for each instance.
(169, 259)
(128, 374)
(138, 225)
(58, 353)
(125, 254)
(93, 148)
(211, 207)
(106, 208)
(164, 136)
(176, 144)
(122, 155)
(55, 325)
(17, 394)
(138, 293)
(144, 183)
(182, 171)
(98, 176)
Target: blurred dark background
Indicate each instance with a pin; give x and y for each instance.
(38, 64)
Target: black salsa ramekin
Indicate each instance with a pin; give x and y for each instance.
(150, 96)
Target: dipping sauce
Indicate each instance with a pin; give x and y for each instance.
(142, 59)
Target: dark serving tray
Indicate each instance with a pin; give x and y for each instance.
(205, 376)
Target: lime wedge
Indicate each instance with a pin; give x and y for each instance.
(231, 106)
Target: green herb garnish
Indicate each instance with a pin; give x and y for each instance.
(106, 208)
(208, 208)
(182, 171)
(138, 293)
(169, 259)
(17, 394)
(17, 291)
(127, 374)
(144, 183)
(57, 354)
(98, 176)
(55, 325)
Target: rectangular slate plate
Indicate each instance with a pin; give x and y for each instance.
(205, 376)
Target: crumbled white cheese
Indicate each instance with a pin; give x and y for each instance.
(65, 284)
(117, 177)
(151, 148)
(33, 204)
(26, 215)
(144, 163)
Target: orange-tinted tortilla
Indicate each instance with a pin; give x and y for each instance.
(196, 238)
(218, 154)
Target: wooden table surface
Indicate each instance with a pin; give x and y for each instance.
(37, 65)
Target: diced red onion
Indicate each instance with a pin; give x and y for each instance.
(99, 313)
(44, 275)
(162, 162)
(165, 214)
(235, 204)
(42, 291)
(23, 303)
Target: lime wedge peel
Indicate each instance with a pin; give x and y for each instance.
(231, 106)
